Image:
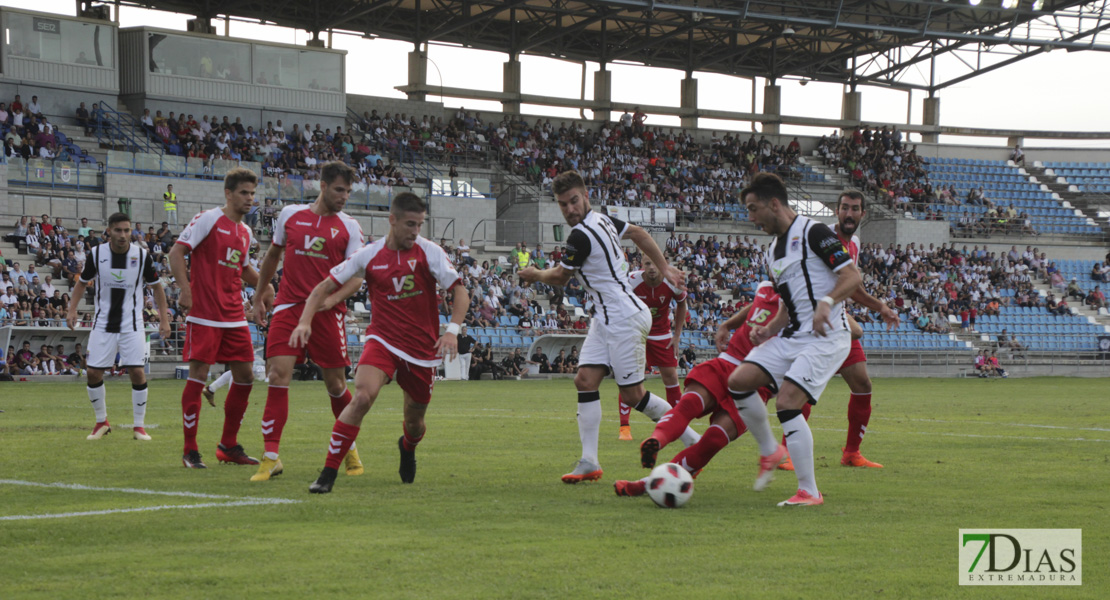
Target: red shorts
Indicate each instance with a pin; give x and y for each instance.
(855, 355)
(415, 380)
(660, 355)
(713, 375)
(213, 345)
(327, 345)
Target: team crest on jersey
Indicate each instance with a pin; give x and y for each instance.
(412, 264)
(334, 232)
(795, 242)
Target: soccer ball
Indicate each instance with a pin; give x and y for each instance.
(670, 486)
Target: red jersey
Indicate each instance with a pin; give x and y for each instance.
(658, 299)
(313, 245)
(402, 283)
(219, 249)
(763, 309)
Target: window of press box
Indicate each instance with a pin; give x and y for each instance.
(58, 40)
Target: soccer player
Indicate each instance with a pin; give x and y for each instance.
(313, 238)
(120, 270)
(621, 321)
(805, 344)
(217, 243)
(707, 394)
(403, 341)
(662, 344)
(849, 214)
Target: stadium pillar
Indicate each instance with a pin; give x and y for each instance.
(930, 115)
(511, 86)
(689, 102)
(772, 109)
(418, 74)
(603, 86)
(851, 107)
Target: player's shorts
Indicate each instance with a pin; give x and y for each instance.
(659, 354)
(713, 375)
(213, 345)
(618, 347)
(855, 355)
(807, 361)
(415, 380)
(103, 347)
(327, 345)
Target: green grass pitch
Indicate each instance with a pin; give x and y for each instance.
(489, 518)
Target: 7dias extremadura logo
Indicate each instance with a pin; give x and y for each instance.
(1021, 557)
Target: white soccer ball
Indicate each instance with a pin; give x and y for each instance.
(670, 486)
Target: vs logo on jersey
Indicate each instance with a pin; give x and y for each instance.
(314, 243)
(403, 284)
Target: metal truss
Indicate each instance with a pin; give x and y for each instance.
(891, 43)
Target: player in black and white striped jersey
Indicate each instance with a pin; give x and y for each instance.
(120, 271)
(615, 342)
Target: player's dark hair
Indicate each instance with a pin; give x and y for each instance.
(407, 202)
(238, 176)
(766, 186)
(854, 195)
(336, 170)
(566, 181)
(117, 218)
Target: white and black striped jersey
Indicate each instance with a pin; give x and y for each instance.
(593, 252)
(120, 279)
(803, 263)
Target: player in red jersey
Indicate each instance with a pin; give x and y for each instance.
(662, 344)
(312, 238)
(707, 394)
(849, 214)
(401, 273)
(217, 243)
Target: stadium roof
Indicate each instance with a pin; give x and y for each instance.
(889, 43)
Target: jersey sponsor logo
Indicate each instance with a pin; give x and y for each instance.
(404, 286)
(232, 259)
(313, 247)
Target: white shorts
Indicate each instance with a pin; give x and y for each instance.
(807, 361)
(619, 347)
(131, 346)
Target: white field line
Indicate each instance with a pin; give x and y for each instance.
(234, 500)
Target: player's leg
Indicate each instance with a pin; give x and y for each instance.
(279, 370)
(335, 380)
(743, 384)
(102, 348)
(369, 379)
(235, 406)
(859, 414)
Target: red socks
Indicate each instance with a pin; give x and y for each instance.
(674, 394)
(672, 424)
(274, 416)
(409, 442)
(697, 456)
(342, 436)
(859, 413)
(625, 410)
(234, 408)
(338, 404)
(190, 412)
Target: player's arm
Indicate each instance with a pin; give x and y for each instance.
(181, 275)
(556, 276)
(647, 245)
(448, 344)
(679, 322)
(319, 295)
(889, 315)
(266, 272)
